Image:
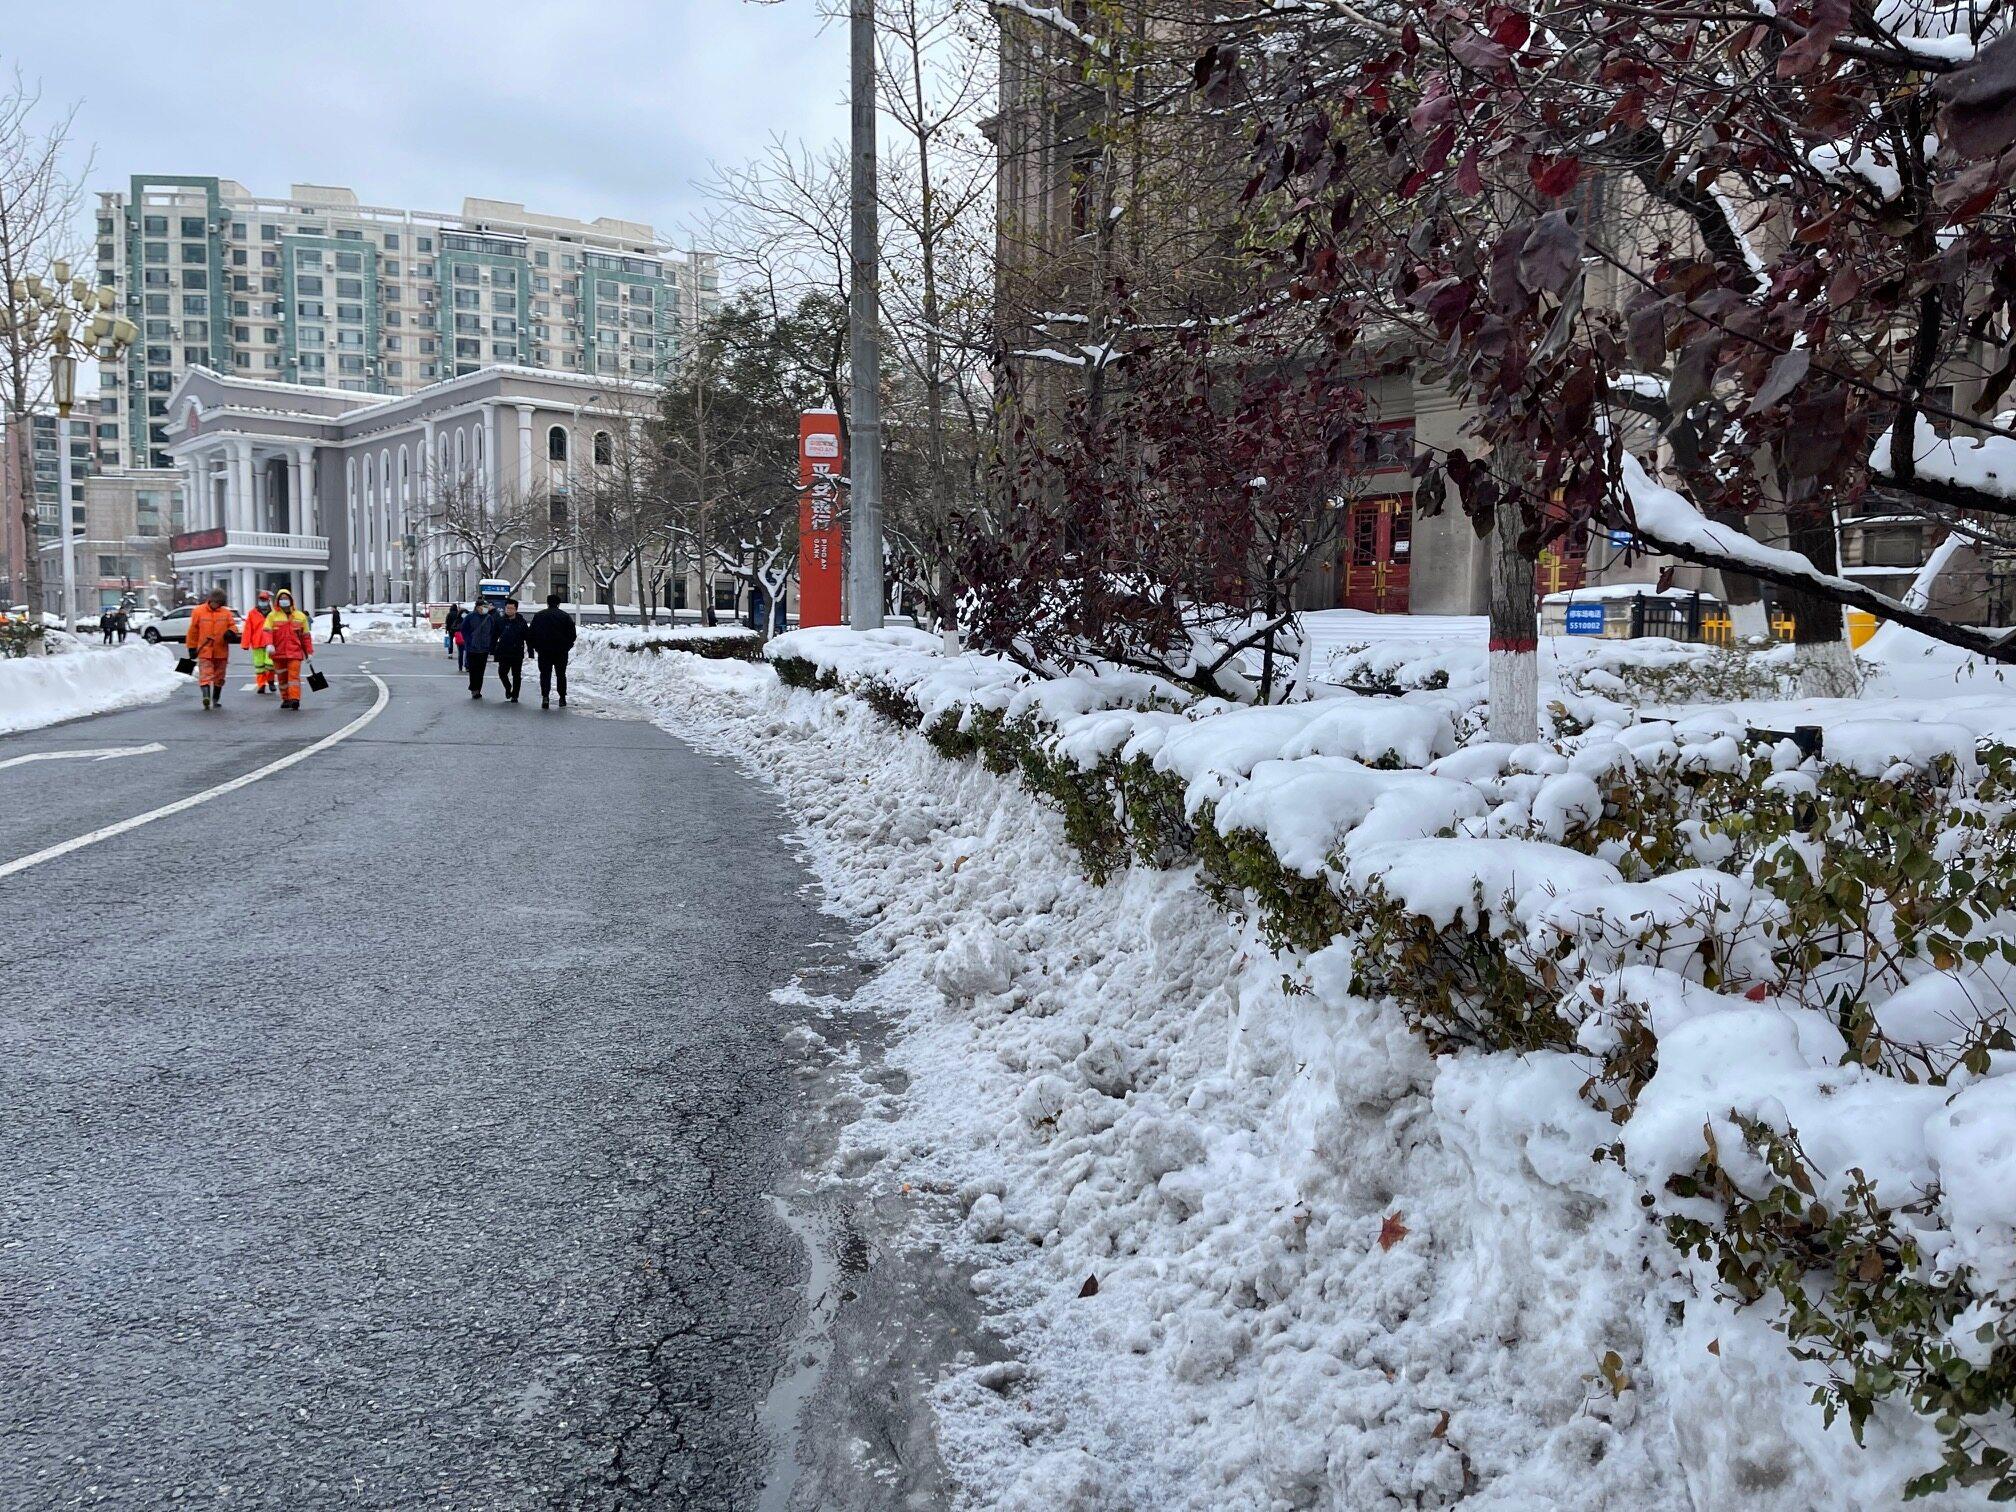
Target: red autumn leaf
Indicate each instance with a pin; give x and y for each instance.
(1091, 1287)
(1554, 176)
(1469, 179)
(1391, 1231)
(1758, 993)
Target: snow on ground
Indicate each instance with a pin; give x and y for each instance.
(1251, 1244)
(43, 690)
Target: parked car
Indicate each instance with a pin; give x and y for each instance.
(170, 626)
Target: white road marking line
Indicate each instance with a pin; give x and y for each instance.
(107, 753)
(66, 847)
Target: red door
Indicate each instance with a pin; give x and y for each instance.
(1377, 554)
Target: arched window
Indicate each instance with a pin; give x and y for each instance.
(444, 458)
(461, 456)
(605, 450)
(405, 481)
(556, 444)
(476, 451)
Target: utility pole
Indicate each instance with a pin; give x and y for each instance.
(63, 515)
(864, 347)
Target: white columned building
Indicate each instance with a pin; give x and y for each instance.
(257, 455)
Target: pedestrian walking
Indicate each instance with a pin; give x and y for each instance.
(259, 643)
(211, 626)
(509, 639)
(336, 624)
(105, 625)
(552, 637)
(121, 623)
(478, 639)
(292, 641)
(451, 632)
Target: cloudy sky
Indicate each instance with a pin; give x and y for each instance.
(609, 107)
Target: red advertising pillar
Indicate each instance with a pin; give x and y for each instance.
(819, 539)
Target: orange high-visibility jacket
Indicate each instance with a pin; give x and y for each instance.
(256, 638)
(210, 630)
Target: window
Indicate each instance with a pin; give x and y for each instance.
(605, 451)
(269, 232)
(240, 284)
(349, 288)
(504, 304)
(349, 312)
(195, 304)
(269, 284)
(269, 259)
(270, 336)
(391, 241)
(241, 333)
(351, 364)
(503, 349)
(394, 319)
(192, 225)
(468, 299)
(724, 593)
(154, 252)
(556, 444)
(395, 369)
(310, 336)
(159, 356)
(350, 338)
(503, 325)
(541, 258)
(195, 330)
(1903, 547)
(312, 362)
(273, 361)
(391, 267)
(465, 273)
(154, 225)
(195, 278)
(239, 258)
(307, 257)
(469, 323)
(424, 270)
(424, 244)
(195, 252)
(308, 286)
(349, 262)
(309, 309)
(466, 348)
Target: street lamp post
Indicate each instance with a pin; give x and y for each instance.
(68, 319)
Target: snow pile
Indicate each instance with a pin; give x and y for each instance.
(1257, 1247)
(43, 690)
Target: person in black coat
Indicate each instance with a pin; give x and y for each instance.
(448, 628)
(552, 638)
(508, 640)
(479, 637)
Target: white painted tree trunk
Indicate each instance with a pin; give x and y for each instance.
(1515, 696)
(1749, 625)
(1515, 620)
(1826, 669)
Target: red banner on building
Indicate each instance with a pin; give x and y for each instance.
(819, 537)
(196, 540)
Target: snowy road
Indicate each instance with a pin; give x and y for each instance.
(392, 1130)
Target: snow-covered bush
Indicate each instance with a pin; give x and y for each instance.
(734, 641)
(1786, 980)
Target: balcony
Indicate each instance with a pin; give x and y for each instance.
(248, 548)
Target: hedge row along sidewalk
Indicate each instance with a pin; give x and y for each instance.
(1780, 986)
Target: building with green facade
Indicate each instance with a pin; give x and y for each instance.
(321, 290)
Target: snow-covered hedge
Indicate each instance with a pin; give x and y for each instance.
(736, 641)
(1786, 980)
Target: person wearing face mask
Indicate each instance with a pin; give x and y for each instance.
(292, 642)
(259, 643)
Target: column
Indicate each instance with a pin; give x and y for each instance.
(300, 504)
(241, 460)
(429, 484)
(492, 433)
(242, 591)
(304, 591)
(524, 450)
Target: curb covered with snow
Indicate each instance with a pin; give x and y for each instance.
(44, 690)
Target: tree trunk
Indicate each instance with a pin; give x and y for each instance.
(1820, 652)
(30, 586)
(1515, 620)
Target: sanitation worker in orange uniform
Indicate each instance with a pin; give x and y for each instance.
(292, 643)
(259, 643)
(211, 626)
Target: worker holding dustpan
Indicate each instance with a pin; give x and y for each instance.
(292, 643)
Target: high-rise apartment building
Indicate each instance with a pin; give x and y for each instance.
(321, 290)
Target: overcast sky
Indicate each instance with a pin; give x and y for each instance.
(606, 107)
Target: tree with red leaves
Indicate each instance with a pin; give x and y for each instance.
(1695, 267)
(1165, 527)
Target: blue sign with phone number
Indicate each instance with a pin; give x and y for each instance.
(1585, 619)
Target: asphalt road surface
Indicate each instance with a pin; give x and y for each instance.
(392, 1130)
